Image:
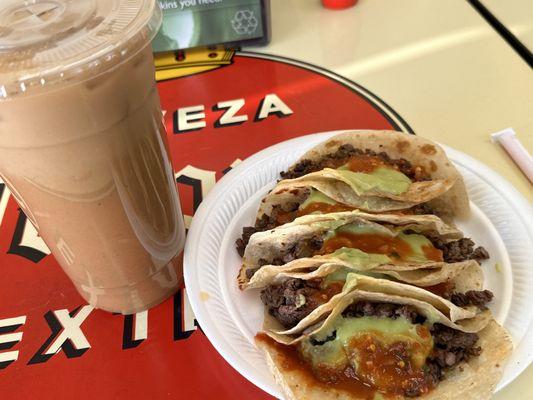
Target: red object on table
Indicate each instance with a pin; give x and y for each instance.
(338, 4)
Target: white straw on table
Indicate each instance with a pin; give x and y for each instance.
(516, 150)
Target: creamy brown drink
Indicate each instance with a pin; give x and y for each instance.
(83, 147)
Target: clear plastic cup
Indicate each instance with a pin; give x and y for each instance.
(83, 147)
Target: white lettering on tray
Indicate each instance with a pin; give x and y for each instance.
(187, 119)
(10, 339)
(230, 117)
(272, 104)
(4, 197)
(141, 326)
(71, 330)
(190, 118)
(66, 333)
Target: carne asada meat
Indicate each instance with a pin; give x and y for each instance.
(292, 300)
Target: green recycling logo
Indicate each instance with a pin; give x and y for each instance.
(244, 22)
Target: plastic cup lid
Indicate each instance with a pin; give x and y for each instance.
(45, 42)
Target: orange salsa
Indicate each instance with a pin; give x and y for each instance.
(371, 243)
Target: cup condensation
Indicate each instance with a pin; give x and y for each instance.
(83, 147)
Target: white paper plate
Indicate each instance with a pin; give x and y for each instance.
(501, 221)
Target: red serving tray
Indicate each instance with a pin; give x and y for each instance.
(163, 356)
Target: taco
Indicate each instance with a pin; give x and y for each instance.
(294, 301)
(373, 171)
(417, 249)
(380, 339)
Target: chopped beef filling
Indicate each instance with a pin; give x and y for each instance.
(386, 310)
(262, 224)
(271, 221)
(478, 298)
(341, 156)
(242, 242)
(451, 348)
(459, 250)
(250, 272)
(306, 247)
(292, 300)
(423, 209)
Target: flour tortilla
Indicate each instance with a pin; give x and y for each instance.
(446, 191)
(264, 247)
(330, 182)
